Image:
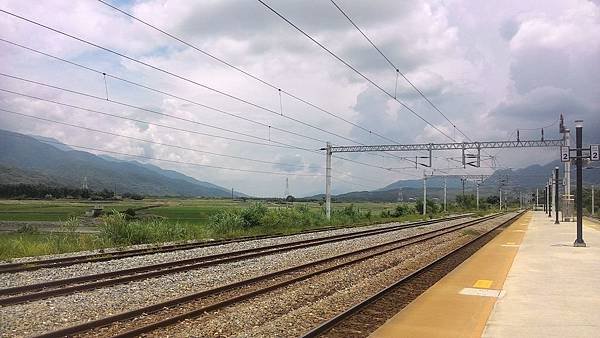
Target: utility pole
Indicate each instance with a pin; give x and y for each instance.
(579, 161)
(477, 190)
(445, 194)
(463, 187)
(424, 194)
(545, 199)
(520, 201)
(232, 193)
(537, 198)
(556, 195)
(328, 183)
(500, 199)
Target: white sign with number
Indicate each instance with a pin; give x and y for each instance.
(595, 152)
(564, 154)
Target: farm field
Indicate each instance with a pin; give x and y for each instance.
(184, 211)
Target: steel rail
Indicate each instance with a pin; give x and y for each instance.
(333, 322)
(89, 282)
(396, 244)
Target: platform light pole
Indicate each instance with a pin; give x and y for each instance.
(556, 195)
(549, 198)
(579, 162)
(545, 199)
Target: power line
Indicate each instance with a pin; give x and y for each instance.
(228, 64)
(150, 141)
(273, 144)
(104, 74)
(355, 70)
(175, 146)
(170, 161)
(398, 70)
(280, 145)
(183, 78)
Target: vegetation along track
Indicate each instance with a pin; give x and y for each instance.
(193, 305)
(88, 282)
(106, 256)
(363, 318)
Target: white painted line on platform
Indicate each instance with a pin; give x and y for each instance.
(510, 245)
(481, 292)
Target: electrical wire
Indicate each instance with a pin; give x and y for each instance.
(280, 145)
(105, 74)
(150, 141)
(355, 70)
(398, 70)
(167, 160)
(170, 73)
(230, 65)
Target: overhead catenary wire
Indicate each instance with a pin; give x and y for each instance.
(150, 141)
(230, 65)
(180, 77)
(168, 160)
(137, 84)
(280, 145)
(398, 71)
(347, 64)
(176, 146)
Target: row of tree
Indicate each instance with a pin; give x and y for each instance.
(49, 192)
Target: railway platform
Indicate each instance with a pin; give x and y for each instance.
(529, 281)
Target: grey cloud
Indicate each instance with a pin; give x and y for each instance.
(290, 163)
(509, 28)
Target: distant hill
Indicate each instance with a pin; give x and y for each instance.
(25, 159)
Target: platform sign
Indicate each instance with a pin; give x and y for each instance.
(594, 152)
(564, 154)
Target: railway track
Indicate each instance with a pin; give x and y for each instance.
(364, 317)
(106, 256)
(166, 313)
(60, 287)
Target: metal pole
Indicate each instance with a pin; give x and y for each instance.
(500, 199)
(537, 198)
(579, 161)
(520, 201)
(424, 194)
(567, 210)
(477, 189)
(463, 186)
(444, 194)
(545, 199)
(328, 183)
(592, 200)
(549, 198)
(556, 196)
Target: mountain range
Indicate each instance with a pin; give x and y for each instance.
(40, 160)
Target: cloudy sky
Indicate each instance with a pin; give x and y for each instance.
(490, 66)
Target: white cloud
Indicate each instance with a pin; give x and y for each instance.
(489, 68)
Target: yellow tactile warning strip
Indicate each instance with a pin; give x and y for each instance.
(443, 311)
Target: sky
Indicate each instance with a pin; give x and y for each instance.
(491, 67)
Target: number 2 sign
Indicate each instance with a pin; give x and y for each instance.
(564, 154)
(595, 152)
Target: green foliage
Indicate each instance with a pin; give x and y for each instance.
(403, 210)
(432, 207)
(252, 215)
(117, 229)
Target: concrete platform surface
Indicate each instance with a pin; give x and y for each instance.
(529, 281)
(459, 304)
(552, 289)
